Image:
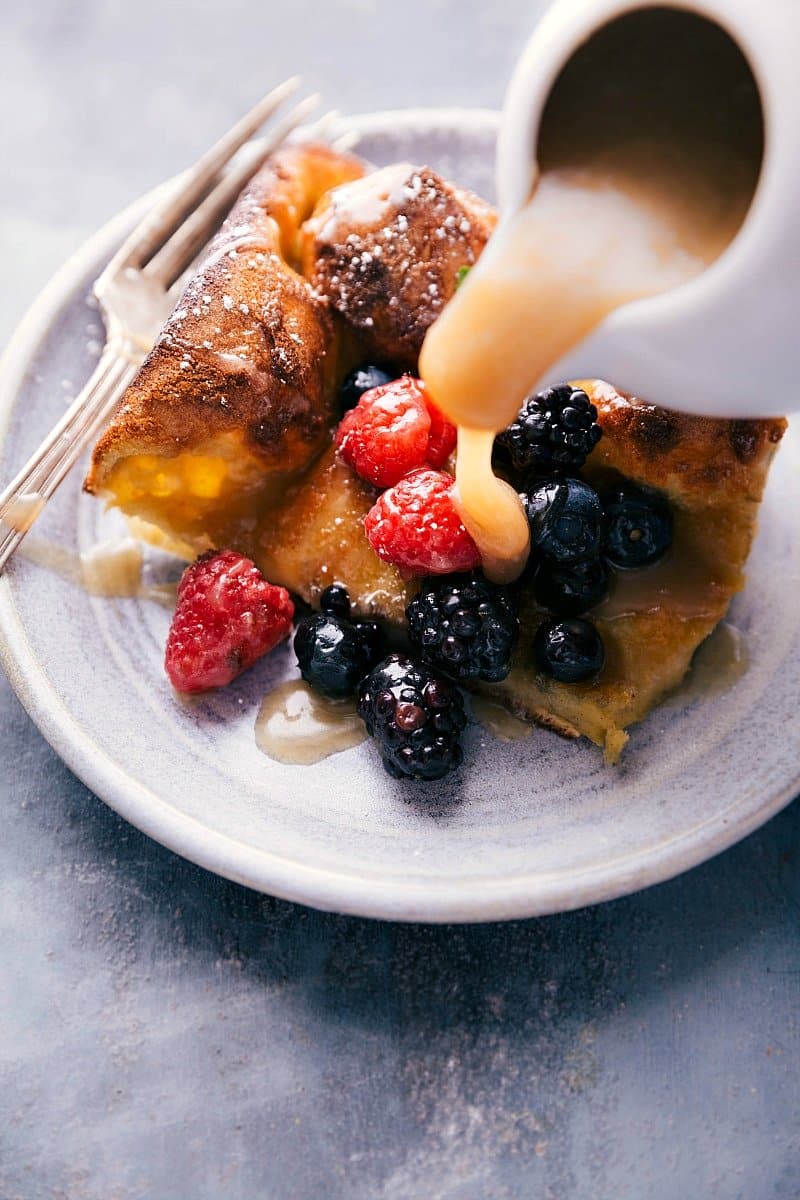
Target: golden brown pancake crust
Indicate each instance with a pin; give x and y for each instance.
(250, 349)
(386, 251)
(683, 455)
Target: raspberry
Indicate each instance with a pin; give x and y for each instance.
(227, 617)
(416, 526)
(392, 430)
(442, 437)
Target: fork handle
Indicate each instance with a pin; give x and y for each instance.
(64, 445)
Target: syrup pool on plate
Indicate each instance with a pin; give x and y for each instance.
(297, 725)
(718, 665)
(497, 720)
(112, 568)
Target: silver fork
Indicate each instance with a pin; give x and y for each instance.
(136, 293)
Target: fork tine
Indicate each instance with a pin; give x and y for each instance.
(346, 141)
(176, 254)
(132, 298)
(140, 245)
(212, 162)
(320, 129)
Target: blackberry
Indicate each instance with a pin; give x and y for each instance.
(416, 718)
(554, 433)
(332, 654)
(565, 517)
(569, 651)
(570, 590)
(362, 379)
(465, 626)
(638, 527)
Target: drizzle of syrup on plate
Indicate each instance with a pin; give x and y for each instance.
(718, 664)
(297, 725)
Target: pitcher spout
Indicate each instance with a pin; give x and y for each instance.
(694, 109)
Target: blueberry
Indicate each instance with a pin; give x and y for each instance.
(565, 517)
(361, 380)
(570, 590)
(372, 638)
(638, 527)
(569, 651)
(335, 601)
(331, 653)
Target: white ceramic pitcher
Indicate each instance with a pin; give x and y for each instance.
(727, 343)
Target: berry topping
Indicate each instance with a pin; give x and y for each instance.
(570, 590)
(335, 601)
(465, 626)
(227, 616)
(386, 435)
(415, 717)
(569, 651)
(638, 527)
(393, 430)
(442, 437)
(332, 654)
(555, 432)
(416, 526)
(371, 635)
(363, 379)
(565, 518)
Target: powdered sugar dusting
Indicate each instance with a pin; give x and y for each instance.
(388, 249)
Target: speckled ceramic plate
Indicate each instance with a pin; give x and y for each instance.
(527, 827)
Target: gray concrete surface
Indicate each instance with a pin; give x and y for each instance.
(167, 1035)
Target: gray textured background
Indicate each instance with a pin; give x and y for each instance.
(166, 1034)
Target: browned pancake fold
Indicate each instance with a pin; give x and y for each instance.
(387, 250)
(237, 394)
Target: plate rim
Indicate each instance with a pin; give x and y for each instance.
(326, 888)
